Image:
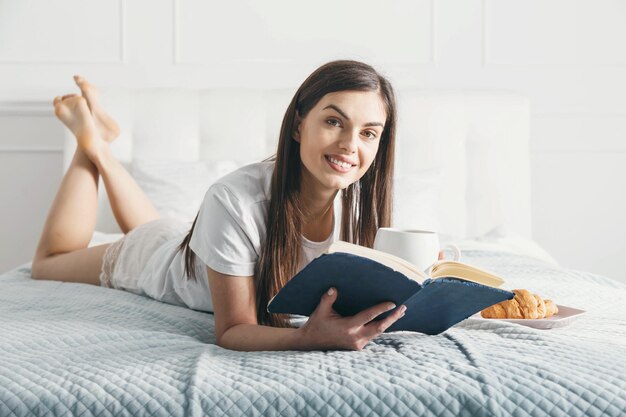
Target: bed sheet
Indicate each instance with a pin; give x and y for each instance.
(76, 349)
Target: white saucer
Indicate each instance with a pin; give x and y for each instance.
(565, 316)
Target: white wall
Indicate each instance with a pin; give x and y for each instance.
(567, 56)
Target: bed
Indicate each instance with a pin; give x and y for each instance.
(463, 166)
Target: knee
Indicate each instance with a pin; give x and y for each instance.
(36, 268)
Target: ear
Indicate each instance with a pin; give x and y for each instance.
(296, 127)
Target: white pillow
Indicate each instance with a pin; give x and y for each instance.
(176, 188)
(500, 239)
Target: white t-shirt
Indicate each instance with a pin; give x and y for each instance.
(228, 235)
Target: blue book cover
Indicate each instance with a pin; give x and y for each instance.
(432, 307)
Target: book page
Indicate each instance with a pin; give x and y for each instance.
(394, 262)
(441, 269)
(465, 272)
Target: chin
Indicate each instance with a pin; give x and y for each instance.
(330, 180)
(339, 183)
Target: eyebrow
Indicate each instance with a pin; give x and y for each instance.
(338, 110)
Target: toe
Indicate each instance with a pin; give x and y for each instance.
(84, 85)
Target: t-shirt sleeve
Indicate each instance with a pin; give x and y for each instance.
(224, 234)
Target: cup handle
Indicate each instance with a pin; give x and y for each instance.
(457, 256)
(455, 249)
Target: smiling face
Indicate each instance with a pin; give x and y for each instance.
(339, 138)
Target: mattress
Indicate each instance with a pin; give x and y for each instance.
(75, 349)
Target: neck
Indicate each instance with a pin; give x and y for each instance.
(317, 209)
(318, 222)
(317, 204)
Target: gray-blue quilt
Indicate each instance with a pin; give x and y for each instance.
(80, 350)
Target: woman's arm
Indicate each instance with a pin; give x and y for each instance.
(250, 337)
(236, 326)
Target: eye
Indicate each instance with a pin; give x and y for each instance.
(372, 135)
(333, 121)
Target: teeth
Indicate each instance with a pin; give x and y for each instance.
(340, 163)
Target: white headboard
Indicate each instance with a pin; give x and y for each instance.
(462, 157)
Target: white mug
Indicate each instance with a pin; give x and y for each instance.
(419, 247)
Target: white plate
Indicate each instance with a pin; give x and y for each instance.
(565, 316)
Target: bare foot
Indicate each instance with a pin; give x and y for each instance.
(108, 128)
(73, 111)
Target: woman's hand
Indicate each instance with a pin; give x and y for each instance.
(326, 329)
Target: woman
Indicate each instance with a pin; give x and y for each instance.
(256, 227)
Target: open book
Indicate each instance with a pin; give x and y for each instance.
(364, 277)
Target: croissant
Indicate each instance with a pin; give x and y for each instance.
(524, 305)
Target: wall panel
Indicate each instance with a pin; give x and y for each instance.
(555, 32)
(79, 31)
(283, 32)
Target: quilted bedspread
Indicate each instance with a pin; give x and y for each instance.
(80, 350)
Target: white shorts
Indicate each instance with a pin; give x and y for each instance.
(125, 259)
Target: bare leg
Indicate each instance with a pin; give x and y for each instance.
(129, 203)
(62, 253)
(69, 227)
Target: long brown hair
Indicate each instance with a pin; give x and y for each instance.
(366, 204)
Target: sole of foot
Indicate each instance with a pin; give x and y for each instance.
(74, 112)
(108, 128)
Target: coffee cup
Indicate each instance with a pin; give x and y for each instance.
(419, 247)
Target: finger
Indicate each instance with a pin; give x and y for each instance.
(371, 313)
(327, 301)
(441, 255)
(375, 328)
(68, 96)
(56, 100)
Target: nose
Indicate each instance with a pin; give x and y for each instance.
(349, 141)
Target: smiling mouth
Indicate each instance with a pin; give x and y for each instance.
(338, 165)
